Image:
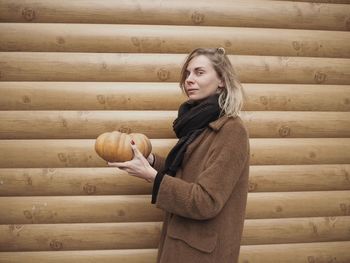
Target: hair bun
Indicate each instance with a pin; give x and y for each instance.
(221, 50)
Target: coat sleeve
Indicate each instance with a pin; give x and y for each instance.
(205, 198)
(159, 162)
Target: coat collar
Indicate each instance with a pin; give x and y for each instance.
(217, 124)
(214, 125)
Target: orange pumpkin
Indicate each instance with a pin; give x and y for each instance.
(115, 146)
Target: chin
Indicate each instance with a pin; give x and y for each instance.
(193, 98)
(196, 98)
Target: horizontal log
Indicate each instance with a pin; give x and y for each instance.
(300, 151)
(35, 237)
(131, 208)
(49, 66)
(320, 252)
(321, 1)
(101, 256)
(161, 39)
(107, 95)
(287, 204)
(77, 209)
(295, 230)
(150, 96)
(295, 97)
(206, 13)
(137, 235)
(282, 253)
(111, 181)
(274, 178)
(85, 124)
(73, 181)
(282, 124)
(81, 153)
(159, 124)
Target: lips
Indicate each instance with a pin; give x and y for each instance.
(191, 90)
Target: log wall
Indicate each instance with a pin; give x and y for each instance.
(71, 70)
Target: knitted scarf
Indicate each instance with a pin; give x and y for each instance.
(193, 118)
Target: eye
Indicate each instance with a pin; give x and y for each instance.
(200, 72)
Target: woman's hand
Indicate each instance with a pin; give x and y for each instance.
(138, 166)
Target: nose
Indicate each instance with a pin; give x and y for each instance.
(189, 78)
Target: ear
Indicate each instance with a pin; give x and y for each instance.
(221, 83)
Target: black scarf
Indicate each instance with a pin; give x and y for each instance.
(193, 118)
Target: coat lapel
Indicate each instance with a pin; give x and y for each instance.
(215, 125)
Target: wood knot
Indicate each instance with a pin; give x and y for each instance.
(284, 58)
(46, 171)
(228, 43)
(264, 100)
(89, 189)
(279, 208)
(29, 181)
(346, 175)
(345, 209)
(347, 23)
(320, 77)
(135, 41)
(121, 213)
(124, 129)
(26, 99)
(331, 221)
(101, 99)
(252, 186)
(62, 157)
(163, 74)
(284, 131)
(28, 14)
(314, 228)
(16, 229)
(27, 214)
(312, 154)
(63, 122)
(296, 45)
(197, 18)
(60, 40)
(56, 245)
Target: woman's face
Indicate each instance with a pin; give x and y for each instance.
(202, 79)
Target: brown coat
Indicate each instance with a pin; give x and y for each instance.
(205, 202)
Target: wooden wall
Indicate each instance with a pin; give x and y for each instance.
(71, 70)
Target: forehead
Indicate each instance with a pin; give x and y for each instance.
(199, 61)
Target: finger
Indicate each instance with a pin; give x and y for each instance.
(119, 164)
(135, 149)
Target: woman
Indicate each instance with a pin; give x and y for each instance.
(203, 183)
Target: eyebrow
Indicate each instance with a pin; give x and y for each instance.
(197, 68)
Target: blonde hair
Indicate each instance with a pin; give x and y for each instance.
(231, 95)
